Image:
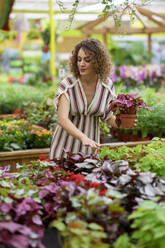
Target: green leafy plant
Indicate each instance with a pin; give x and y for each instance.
(40, 114)
(134, 53)
(141, 157)
(96, 208)
(13, 96)
(149, 224)
(150, 123)
(44, 113)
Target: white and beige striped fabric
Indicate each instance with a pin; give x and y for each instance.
(84, 117)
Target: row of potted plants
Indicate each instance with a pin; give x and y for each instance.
(91, 201)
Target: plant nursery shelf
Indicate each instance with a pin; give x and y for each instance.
(26, 156)
(21, 157)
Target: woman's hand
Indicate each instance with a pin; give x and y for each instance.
(89, 142)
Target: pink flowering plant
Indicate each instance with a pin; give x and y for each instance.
(128, 104)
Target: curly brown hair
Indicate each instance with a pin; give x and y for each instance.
(102, 60)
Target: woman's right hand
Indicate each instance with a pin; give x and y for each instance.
(89, 142)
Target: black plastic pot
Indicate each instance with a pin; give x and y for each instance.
(51, 238)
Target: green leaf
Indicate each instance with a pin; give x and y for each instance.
(159, 232)
(95, 226)
(79, 231)
(19, 191)
(15, 146)
(115, 194)
(98, 235)
(75, 242)
(123, 241)
(70, 217)
(6, 184)
(59, 225)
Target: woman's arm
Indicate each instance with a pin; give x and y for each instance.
(65, 123)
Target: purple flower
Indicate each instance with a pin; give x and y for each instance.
(15, 227)
(49, 207)
(5, 207)
(123, 71)
(28, 204)
(163, 70)
(49, 175)
(142, 75)
(36, 220)
(46, 190)
(114, 77)
(15, 241)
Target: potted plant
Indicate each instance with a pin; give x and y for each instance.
(125, 107)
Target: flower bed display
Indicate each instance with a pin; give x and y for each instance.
(27, 156)
(91, 201)
(149, 75)
(21, 135)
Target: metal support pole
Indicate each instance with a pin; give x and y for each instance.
(52, 41)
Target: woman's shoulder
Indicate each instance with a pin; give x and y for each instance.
(68, 82)
(109, 84)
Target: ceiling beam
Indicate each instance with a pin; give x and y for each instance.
(125, 31)
(142, 10)
(47, 12)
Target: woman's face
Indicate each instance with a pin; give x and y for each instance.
(85, 63)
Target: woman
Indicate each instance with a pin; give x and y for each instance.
(82, 99)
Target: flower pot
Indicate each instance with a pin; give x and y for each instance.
(128, 120)
(45, 49)
(51, 238)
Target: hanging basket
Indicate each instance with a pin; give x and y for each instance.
(128, 120)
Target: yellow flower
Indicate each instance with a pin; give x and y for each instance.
(38, 133)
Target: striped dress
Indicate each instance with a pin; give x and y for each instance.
(85, 117)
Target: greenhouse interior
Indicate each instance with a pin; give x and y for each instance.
(82, 124)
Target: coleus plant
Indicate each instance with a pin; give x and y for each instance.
(79, 195)
(128, 104)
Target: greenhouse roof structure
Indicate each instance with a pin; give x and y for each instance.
(87, 9)
(52, 9)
